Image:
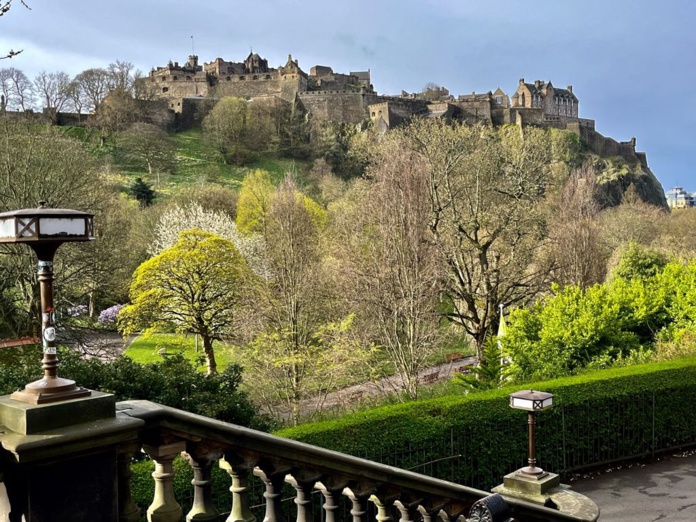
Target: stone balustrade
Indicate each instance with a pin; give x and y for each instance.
(71, 460)
(395, 494)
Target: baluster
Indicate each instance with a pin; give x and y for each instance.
(164, 507)
(425, 514)
(359, 500)
(127, 510)
(274, 484)
(383, 509)
(409, 511)
(304, 485)
(331, 490)
(201, 460)
(240, 492)
(431, 512)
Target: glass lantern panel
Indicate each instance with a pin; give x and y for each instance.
(7, 228)
(522, 404)
(63, 227)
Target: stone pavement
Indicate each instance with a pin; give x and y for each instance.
(664, 490)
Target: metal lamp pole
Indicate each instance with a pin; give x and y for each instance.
(44, 230)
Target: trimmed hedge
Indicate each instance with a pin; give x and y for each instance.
(598, 417)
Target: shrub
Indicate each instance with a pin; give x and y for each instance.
(619, 413)
(109, 315)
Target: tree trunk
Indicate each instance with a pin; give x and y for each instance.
(211, 365)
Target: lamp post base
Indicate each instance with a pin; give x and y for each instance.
(50, 390)
(532, 472)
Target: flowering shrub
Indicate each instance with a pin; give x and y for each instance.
(108, 315)
(78, 311)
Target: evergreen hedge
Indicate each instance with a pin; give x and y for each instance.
(604, 416)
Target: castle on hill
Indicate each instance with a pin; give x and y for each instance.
(351, 98)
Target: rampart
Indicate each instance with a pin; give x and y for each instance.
(337, 106)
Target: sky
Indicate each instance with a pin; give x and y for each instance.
(630, 62)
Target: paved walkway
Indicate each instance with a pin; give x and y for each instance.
(663, 490)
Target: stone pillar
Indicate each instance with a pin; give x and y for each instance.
(383, 506)
(61, 458)
(303, 499)
(127, 510)
(548, 491)
(164, 507)
(331, 494)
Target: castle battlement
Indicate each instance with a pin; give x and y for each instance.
(350, 98)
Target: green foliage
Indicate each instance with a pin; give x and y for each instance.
(639, 262)
(254, 202)
(489, 374)
(478, 438)
(618, 321)
(142, 191)
(148, 146)
(173, 381)
(197, 286)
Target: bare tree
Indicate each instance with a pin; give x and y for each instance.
(16, 88)
(575, 234)
(394, 269)
(485, 188)
(93, 85)
(122, 75)
(304, 346)
(54, 91)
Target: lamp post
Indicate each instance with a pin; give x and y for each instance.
(533, 402)
(44, 230)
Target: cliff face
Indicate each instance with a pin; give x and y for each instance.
(616, 175)
(619, 166)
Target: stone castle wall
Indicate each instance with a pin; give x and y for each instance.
(336, 106)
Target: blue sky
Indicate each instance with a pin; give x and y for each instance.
(630, 61)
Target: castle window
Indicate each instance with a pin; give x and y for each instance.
(165, 89)
(241, 78)
(228, 79)
(268, 76)
(373, 114)
(499, 100)
(188, 78)
(162, 78)
(175, 78)
(255, 77)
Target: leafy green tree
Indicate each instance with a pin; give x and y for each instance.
(254, 202)
(225, 124)
(489, 374)
(606, 322)
(142, 191)
(639, 262)
(197, 286)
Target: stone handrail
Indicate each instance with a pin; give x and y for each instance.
(166, 433)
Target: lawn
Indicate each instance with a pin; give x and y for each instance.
(146, 349)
